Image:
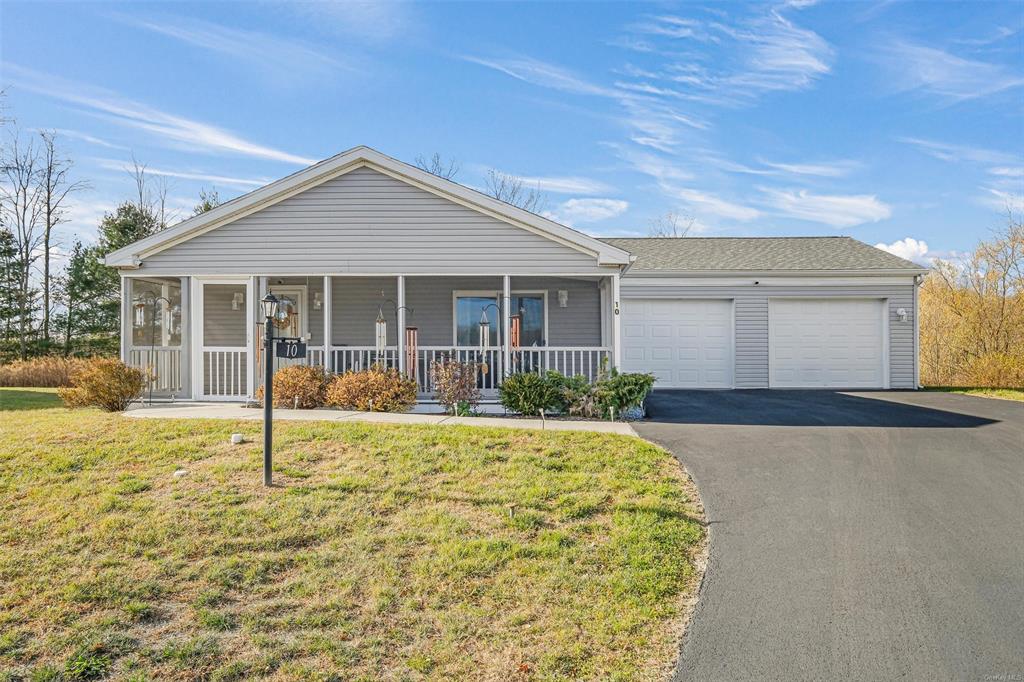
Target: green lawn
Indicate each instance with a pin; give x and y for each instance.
(1004, 393)
(385, 552)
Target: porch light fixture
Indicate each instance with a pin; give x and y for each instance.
(902, 314)
(237, 300)
(381, 329)
(317, 301)
(563, 298)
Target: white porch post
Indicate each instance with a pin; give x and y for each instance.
(616, 324)
(506, 325)
(185, 360)
(400, 323)
(251, 340)
(328, 359)
(126, 320)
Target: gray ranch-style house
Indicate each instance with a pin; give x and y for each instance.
(361, 237)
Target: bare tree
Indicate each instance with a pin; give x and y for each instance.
(513, 190)
(438, 166)
(151, 193)
(22, 209)
(671, 224)
(55, 187)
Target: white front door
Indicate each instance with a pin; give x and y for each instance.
(223, 334)
(684, 343)
(826, 343)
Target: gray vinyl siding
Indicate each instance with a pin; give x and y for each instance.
(751, 304)
(223, 326)
(368, 222)
(356, 301)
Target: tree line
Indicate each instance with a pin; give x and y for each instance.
(57, 298)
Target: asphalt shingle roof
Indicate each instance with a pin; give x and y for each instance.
(678, 254)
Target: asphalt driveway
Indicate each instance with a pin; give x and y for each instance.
(853, 535)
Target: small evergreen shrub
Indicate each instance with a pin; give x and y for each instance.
(298, 386)
(376, 389)
(626, 391)
(455, 385)
(529, 393)
(105, 383)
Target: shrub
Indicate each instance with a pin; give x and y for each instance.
(298, 386)
(376, 389)
(624, 391)
(455, 385)
(567, 388)
(584, 399)
(105, 383)
(529, 393)
(45, 372)
(997, 370)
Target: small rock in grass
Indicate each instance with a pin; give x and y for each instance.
(178, 473)
(237, 438)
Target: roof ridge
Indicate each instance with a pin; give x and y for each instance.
(823, 236)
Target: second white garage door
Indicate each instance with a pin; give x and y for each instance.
(826, 343)
(683, 343)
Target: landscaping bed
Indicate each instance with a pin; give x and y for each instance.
(394, 552)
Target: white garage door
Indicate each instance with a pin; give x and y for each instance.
(683, 343)
(823, 343)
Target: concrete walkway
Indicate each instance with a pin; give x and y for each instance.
(229, 411)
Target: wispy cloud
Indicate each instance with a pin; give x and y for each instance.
(226, 180)
(910, 249)
(1001, 199)
(279, 58)
(369, 20)
(543, 74)
(946, 151)
(86, 137)
(829, 169)
(829, 209)
(168, 128)
(705, 203)
(577, 211)
(1008, 171)
(566, 185)
(931, 70)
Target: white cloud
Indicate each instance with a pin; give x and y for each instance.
(85, 137)
(918, 67)
(908, 248)
(834, 210)
(946, 151)
(241, 183)
(1008, 171)
(1001, 200)
(576, 211)
(182, 132)
(566, 184)
(704, 203)
(282, 59)
(832, 169)
(356, 19)
(543, 74)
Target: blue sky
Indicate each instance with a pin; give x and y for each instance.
(885, 121)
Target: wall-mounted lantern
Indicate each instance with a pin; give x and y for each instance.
(318, 302)
(563, 298)
(901, 313)
(237, 300)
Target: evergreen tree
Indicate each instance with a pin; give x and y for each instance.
(8, 283)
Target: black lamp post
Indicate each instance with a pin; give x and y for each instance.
(269, 305)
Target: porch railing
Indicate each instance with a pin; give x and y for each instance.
(162, 366)
(224, 372)
(586, 361)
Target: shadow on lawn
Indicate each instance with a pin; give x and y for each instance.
(14, 399)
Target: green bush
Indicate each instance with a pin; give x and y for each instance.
(529, 393)
(107, 384)
(298, 386)
(376, 389)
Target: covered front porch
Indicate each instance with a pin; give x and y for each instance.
(200, 337)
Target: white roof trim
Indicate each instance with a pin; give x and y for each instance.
(131, 255)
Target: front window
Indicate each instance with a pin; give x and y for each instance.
(470, 308)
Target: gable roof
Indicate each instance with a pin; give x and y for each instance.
(664, 255)
(131, 256)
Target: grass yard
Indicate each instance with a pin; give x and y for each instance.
(385, 552)
(1003, 393)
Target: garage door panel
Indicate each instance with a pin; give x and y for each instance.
(696, 351)
(826, 343)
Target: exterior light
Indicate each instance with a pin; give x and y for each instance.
(269, 305)
(237, 300)
(485, 332)
(317, 301)
(902, 314)
(381, 336)
(563, 298)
